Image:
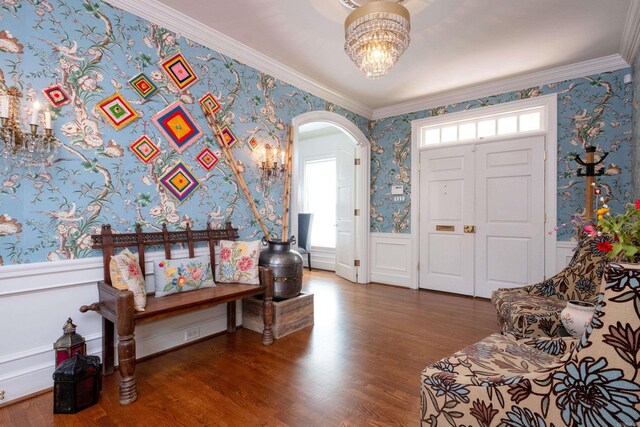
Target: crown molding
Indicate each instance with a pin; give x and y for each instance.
(631, 33)
(567, 72)
(160, 14)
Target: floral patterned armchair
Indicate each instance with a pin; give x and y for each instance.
(534, 310)
(503, 381)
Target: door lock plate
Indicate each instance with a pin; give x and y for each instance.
(469, 228)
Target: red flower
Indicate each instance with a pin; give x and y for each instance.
(245, 263)
(225, 254)
(604, 246)
(638, 204)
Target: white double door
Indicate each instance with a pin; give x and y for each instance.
(482, 216)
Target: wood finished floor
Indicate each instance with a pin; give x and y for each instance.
(359, 365)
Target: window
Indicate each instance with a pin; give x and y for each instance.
(486, 126)
(320, 200)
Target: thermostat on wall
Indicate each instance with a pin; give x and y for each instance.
(397, 189)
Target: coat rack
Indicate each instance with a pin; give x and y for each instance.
(589, 171)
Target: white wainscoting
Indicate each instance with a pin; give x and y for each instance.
(36, 300)
(391, 259)
(321, 258)
(564, 252)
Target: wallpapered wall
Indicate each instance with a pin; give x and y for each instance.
(636, 127)
(92, 50)
(591, 110)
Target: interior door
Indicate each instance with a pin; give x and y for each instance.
(446, 206)
(509, 213)
(345, 219)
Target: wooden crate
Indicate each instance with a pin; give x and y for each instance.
(289, 315)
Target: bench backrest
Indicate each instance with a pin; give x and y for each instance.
(108, 242)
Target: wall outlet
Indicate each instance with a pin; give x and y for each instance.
(192, 333)
(1, 394)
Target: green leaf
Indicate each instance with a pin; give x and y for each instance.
(449, 419)
(434, 401)
(168, 287)
(456, 414)
(545, 405)
(451, 404)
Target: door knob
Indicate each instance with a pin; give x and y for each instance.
(469, 228)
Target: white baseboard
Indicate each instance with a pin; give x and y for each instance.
(564, 253)
(38, 298)
(391, 259)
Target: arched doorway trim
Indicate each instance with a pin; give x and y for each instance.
(363, 153)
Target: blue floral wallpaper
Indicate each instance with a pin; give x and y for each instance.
(636, 127)
(92, 49)
(594, 110)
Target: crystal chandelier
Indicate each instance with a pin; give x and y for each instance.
(376, 35)
(24, 148)
(270, 170)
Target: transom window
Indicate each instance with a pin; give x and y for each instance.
(482, 127)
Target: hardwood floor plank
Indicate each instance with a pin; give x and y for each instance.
(359, 365)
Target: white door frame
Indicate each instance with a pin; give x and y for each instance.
(363, 197)
(550, 102)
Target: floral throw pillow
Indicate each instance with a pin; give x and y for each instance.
(126, 274)
(238, 262)
(183, 275)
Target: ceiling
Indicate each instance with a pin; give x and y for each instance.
(454, 43)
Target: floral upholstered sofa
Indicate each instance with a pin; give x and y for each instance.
(534, 310)
(544, 382)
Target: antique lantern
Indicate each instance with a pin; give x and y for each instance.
(69, 344)
(76, 384)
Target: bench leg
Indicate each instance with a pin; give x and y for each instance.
(107, 347)
(267, 309)
(126, 348)
(231, 317)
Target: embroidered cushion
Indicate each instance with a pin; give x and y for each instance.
(238, 262)
(172, 276)
(126, 274)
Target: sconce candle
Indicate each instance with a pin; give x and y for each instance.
(47, 119)
(4, 108)
(34, 114)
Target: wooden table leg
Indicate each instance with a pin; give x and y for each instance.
(126, 348)
(267, 333)
(107, 347)
(231, 317)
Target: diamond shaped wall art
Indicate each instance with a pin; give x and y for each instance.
(180, 182)
(209, 103)
(207, 159)
(177, 125)
(143, 86)
(144, 149)
(179, 70)
(253, 143)
(56, 96)
(117, 111)
(228, 137)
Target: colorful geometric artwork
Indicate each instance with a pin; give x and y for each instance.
(143, 86)
(253, 143)
(144, 149)
(228, 137)
(56, 96)
(207, 159)
(117, 111)
(209, 103)
(180, 181)
(179, 70)
(177, 125)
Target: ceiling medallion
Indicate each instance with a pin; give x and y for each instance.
(376, 35)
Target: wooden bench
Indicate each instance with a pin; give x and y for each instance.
(117, 308)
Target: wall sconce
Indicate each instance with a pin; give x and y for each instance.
(24, 147)
(270, 170)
